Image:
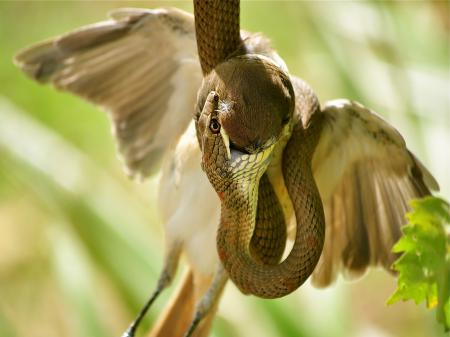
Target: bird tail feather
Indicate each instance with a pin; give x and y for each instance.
(178, 314)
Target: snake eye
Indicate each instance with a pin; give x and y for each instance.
(214, 126)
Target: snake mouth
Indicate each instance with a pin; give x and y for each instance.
(241, 161)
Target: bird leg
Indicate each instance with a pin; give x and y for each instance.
(210, 300)
(165, 279)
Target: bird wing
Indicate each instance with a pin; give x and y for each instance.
(366, 176)
(141, 66)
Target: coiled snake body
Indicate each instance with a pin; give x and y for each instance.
(235, 175)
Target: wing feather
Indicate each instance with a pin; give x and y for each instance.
(141, 66)
(366, 176)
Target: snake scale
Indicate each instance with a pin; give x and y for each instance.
(241, 88)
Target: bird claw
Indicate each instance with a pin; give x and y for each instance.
(165, 279)
(209, 300)
(197, 318)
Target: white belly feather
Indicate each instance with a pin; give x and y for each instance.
(189, 206)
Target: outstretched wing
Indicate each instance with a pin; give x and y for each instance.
(366, 176)
(141, 67)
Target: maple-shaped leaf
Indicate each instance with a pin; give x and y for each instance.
(424, 267)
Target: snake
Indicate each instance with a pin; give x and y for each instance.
(250, 116)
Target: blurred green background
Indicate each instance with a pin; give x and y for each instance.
(81, 245)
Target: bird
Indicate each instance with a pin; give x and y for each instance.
(203, 116)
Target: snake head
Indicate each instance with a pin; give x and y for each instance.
(243, 107)
(222, 162)
(213, 140)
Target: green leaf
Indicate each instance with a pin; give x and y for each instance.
(424, 266)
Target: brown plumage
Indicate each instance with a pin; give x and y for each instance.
(365, 196)
(141, 67)
(255, 100)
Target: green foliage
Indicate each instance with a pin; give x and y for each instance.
(424, 266)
